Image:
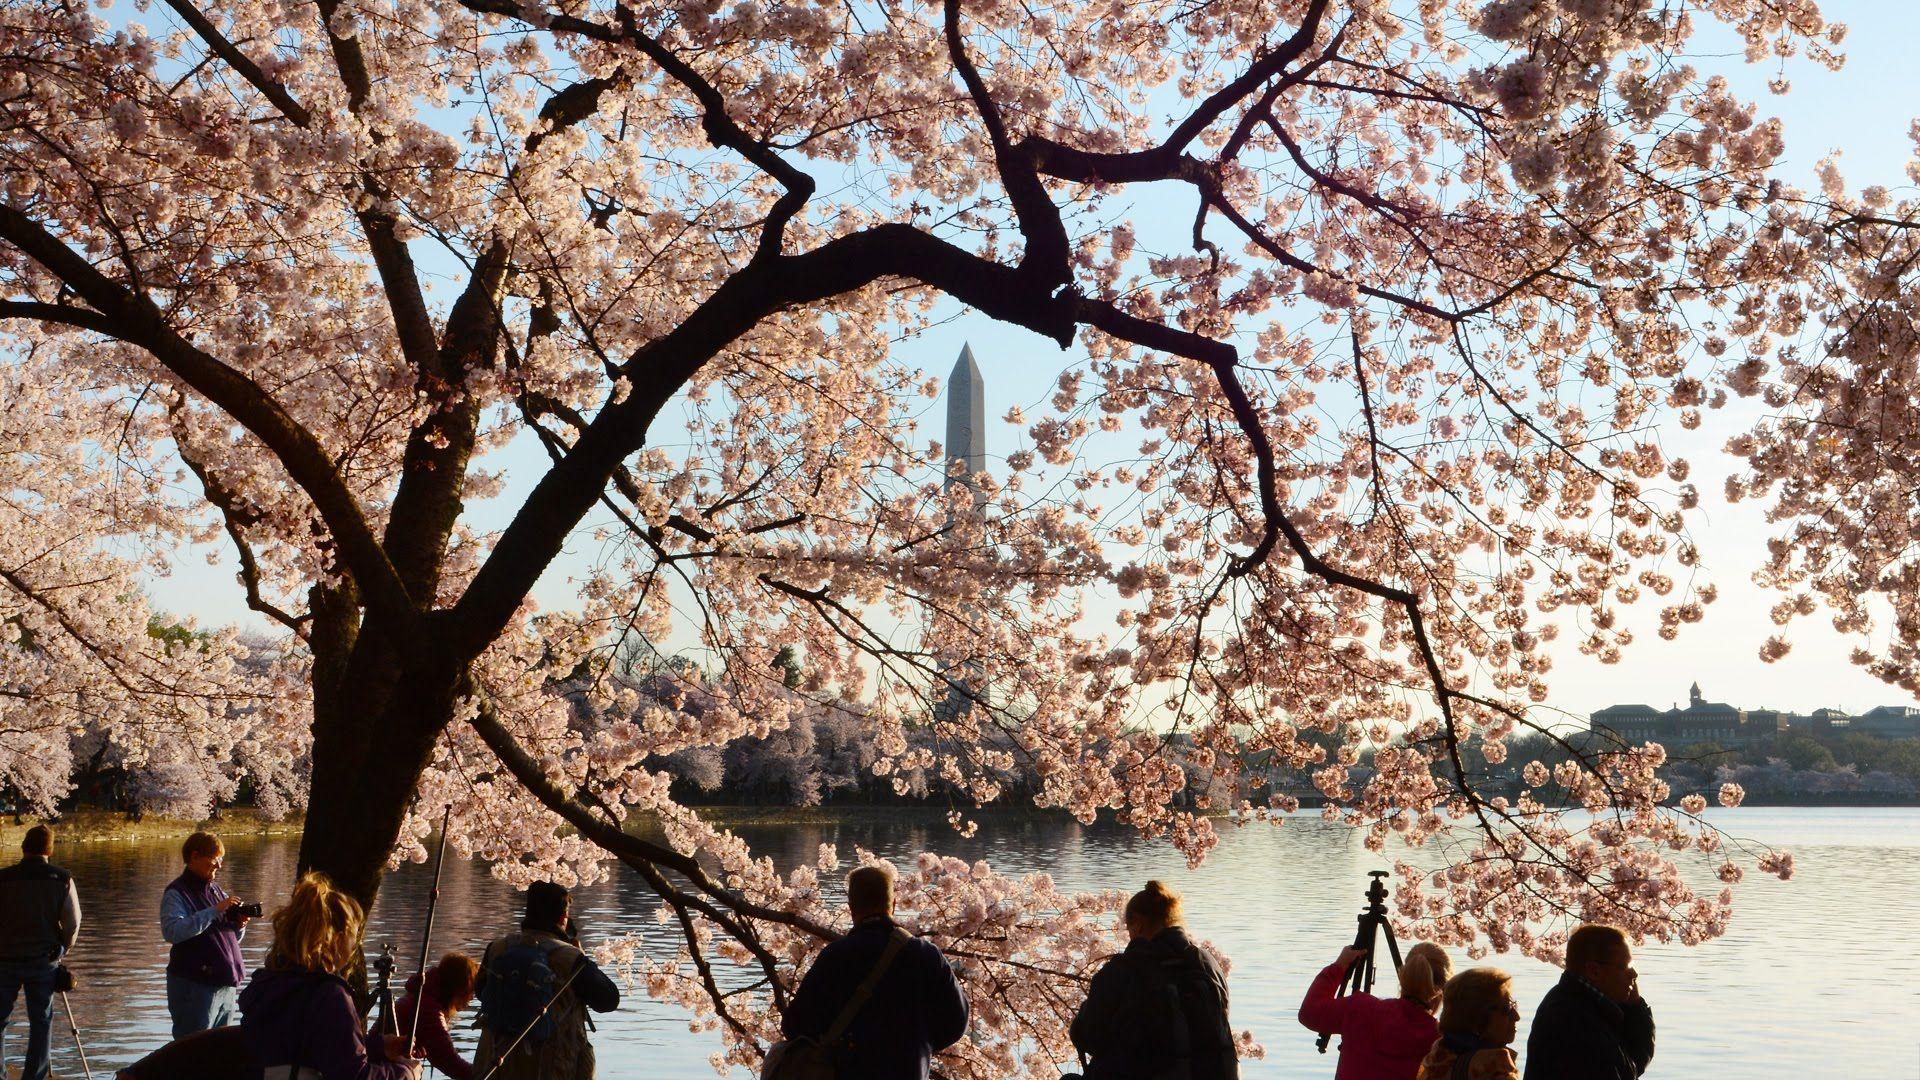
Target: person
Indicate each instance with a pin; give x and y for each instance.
(448, 988)
(914, 1011)
(535, 988)
(297, 1013)
(1593, 1024)
(1159, 1009)
(1478, 1020)
(197, 918)
(39, 921)
(1380, 1039)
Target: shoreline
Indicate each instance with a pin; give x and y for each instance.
(93, 826)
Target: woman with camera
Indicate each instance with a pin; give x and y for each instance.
(204, 924)
(1478, 1019)
(297, 1014)
(1380, 1038)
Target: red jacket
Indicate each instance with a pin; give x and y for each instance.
(1380, 1038)
(432, 1036)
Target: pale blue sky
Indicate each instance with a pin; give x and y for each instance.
(1864, 111)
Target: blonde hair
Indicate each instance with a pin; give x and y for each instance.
(1157, 904)
(1423, 973)
(1472, 999)
(318, 929)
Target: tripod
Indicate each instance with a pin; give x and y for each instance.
(1359, 977)
(387, 1023)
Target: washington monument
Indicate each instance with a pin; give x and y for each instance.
(966, 418)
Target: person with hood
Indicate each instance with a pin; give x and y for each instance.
(1593, 1025)
(297, 1014)
(1380, 1038)
(448, 989)
(1478, 1021)
(1157, 1011)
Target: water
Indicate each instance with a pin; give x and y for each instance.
(1816, 975)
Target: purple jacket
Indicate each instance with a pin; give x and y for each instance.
(211, 954)
(307, 1018)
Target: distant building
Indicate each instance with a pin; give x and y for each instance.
(1718, 722)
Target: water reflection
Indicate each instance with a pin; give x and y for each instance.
(1810, 977)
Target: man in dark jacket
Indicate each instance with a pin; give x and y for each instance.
(916, 1010)
(1593, 1025)
(1158, 1011)
(39, 920)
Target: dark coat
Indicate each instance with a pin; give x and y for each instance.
(306, 1018)
(1580, 1035)
(917, 1010)
(1122, 1027)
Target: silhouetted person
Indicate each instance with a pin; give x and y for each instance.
(297, 1014)
(204, 969)
(1478, 1020)
(1593, 1025)
(915, 1010)
(39, 920)
(1157, 1011)
(1380, 1038)
(535, 988)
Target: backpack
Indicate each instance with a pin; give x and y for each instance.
(519, 991)
(808, 1058)
(1199, 997)
(1151, 1036)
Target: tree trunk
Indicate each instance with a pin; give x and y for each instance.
(373, 735)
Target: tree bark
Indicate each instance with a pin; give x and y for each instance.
(373, 736)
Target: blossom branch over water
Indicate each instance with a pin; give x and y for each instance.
(1394, 393)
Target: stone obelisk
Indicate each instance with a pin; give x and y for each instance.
(966, 443)
(966, 418)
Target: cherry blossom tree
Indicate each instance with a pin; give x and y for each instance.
(1837, 454)
(1392, 390)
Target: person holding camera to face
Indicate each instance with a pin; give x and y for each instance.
(204, 924)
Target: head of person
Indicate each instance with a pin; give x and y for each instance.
(453, 981)
(318, 929)
(1152, 910)
(870, 892)
(204, 855)
(549, 905)
(1424, 974)
(1479, 1002)
(1600, 954)
(37, 842)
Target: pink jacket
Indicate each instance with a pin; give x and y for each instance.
(1380, 1038)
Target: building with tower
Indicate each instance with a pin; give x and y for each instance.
(1703, 721)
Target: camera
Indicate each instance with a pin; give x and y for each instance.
(247, 911)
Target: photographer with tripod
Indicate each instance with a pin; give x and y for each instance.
(1380, 1038)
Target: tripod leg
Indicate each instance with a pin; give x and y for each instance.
(75, 1028)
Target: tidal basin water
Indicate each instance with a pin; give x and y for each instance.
(1817, 976)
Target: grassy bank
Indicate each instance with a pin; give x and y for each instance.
(88, 826)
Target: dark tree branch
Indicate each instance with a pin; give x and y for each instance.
(134, 319)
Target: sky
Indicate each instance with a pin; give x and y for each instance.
(1863, 111)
